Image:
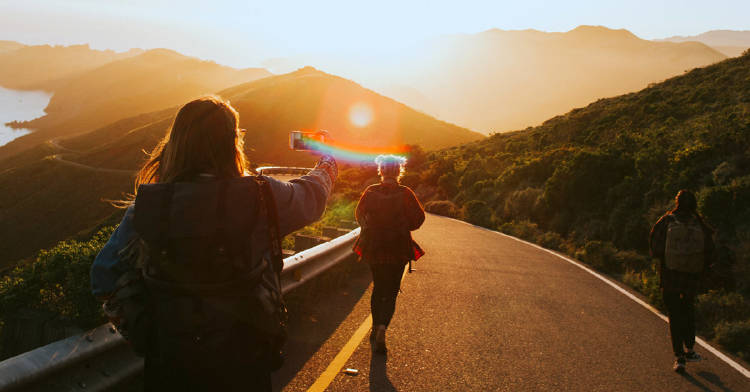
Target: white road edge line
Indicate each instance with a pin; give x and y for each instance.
(653, 310)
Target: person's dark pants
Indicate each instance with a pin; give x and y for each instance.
(681, 311)
(386, 280)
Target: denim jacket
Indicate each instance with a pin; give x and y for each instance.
(299, 202)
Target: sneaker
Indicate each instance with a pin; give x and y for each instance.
(679, 365)
(692, 356)
(379, 346)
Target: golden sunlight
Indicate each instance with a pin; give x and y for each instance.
(360, 114)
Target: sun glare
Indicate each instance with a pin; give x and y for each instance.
(360, 115)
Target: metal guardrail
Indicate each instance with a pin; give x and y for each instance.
(100, 358)
(265, 170)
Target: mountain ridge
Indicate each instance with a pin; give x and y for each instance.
(150, 81)
(730, 42)
(50, 184)
(500, 80)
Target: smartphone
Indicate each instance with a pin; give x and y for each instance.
(305, 141)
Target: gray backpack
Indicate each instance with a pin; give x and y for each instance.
(684, 249)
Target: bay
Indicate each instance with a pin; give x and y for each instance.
(19, 106)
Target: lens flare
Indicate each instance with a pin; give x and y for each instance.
(360, 115)
(356, 154)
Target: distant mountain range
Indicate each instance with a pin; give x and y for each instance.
(66, 193)
(120, 85)
(730, 42)
(6, 46)
(45, 67)
(501, 80)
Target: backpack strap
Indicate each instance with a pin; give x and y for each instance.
(268, 208)
(166, 205)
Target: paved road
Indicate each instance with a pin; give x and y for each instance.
(55, 144)
(484, 312)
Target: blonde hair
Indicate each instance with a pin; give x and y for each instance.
(204, 138)
(392, 166)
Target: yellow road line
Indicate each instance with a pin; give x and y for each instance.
(339, 361)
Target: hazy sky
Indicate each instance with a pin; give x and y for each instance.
(244, 33)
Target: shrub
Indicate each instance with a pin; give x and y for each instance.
(734, 336)
(646, 282)
(522, 204)
(478, 213)
(630, 260)
(57, 281)
(443, 207)
(550, 240)
(521, 229)
(599, 254)
(718, 306)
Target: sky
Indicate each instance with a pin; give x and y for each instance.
(249, 33)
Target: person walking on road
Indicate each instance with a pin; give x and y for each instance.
(387, 213)
(683, 243)
(191, 275)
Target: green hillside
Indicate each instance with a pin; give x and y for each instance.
(51, 199)
(592, 182)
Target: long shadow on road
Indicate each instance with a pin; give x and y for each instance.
(315, 312)
(379, 381)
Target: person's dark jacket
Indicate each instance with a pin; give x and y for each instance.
(672, 280)
(387, 213)
(208, 332)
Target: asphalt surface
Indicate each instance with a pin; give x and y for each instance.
(485, 312)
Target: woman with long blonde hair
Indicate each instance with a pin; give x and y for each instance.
(191, 275)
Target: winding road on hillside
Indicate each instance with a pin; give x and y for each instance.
(486, 312)
(55, 144)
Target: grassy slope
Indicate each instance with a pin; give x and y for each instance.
(592, 182)
(50, 201)
(271, 107)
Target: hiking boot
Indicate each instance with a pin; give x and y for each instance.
(379, 346)
(679, 365)
(692, 356)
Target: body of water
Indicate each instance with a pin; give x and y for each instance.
(19, 106)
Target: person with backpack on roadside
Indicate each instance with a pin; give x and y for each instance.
(683, 243)
(191, 276)
(387, 212)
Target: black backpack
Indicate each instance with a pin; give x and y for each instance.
(204, 292)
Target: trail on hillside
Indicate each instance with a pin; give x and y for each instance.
(55, 144)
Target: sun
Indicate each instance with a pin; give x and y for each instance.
(360, 114)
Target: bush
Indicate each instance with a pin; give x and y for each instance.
(734, 336)
(478, 213)
(57, 281)
(630, 260)
(646, 282)
(56, 284)
(521, 229)
(522, 204)
(550, 240)
(443, 207)
(600, 255)
(717, 306)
